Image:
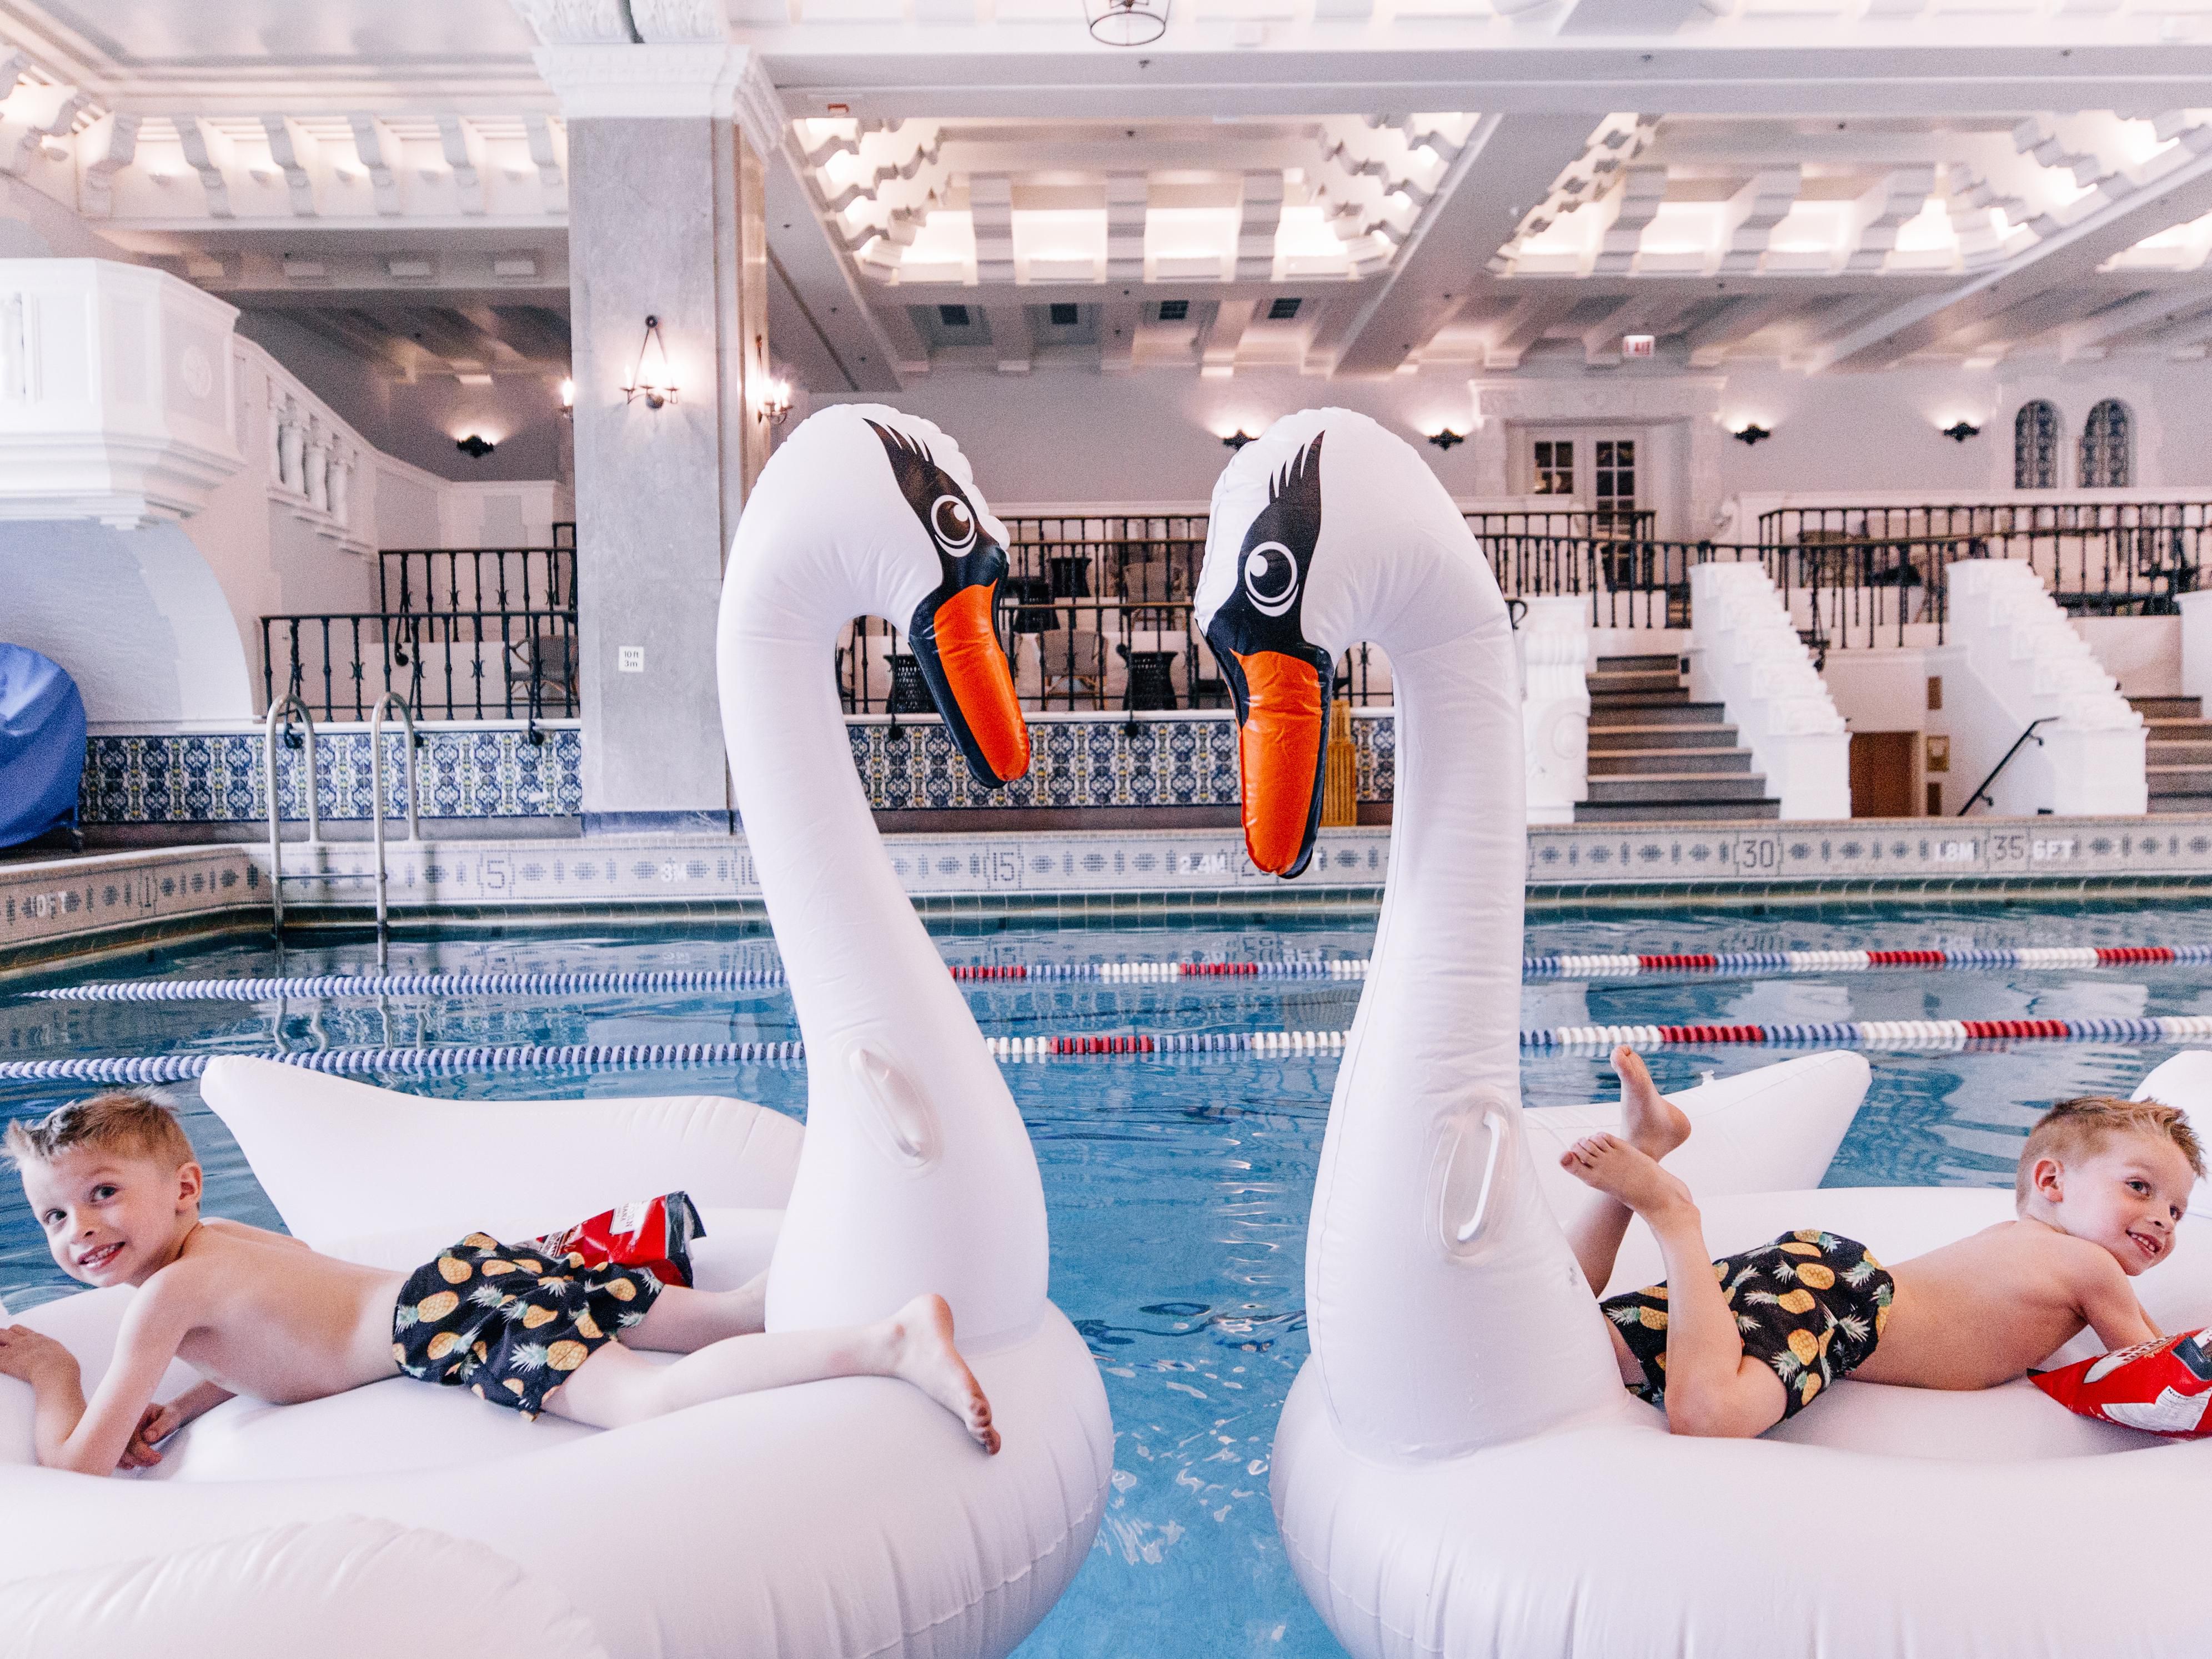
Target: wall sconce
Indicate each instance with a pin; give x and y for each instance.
(774, 403)
(1447, 438)
(475, 447)
(650, 381)
(1239, 438)
(1751, 433)
(568, 400)
(1958, 431)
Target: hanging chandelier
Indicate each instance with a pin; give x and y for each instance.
(1126, 22)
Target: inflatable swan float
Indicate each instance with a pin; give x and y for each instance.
(1458, 1470)
(845, 1518)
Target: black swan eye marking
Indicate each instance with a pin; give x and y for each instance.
(953, 524)
(1271, 577)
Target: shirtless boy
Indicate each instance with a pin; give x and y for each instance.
(115, 1186)
(1731, 1348)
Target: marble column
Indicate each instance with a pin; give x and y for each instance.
(665, 221)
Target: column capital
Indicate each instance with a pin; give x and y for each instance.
(658, 80)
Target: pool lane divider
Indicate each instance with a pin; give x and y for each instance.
(1901, 1034)
(334, 986)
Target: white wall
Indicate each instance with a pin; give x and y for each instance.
(136, 616)
(1073, 435)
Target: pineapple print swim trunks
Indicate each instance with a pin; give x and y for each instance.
(508, 1322)
(1811, 1305)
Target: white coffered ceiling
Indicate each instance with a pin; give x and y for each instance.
(1328, 187)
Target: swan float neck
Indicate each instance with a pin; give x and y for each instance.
(1446, 1309)
(917, 1174)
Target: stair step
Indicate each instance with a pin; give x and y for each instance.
(2186, 708)
(2180, 751)
(2175, 805)
(1666, 684)
(1681, 786)
(1614, 763)
(1645, 712)
(1729, 811)
(1652, 662)
(1609, 739)
(2179, 780)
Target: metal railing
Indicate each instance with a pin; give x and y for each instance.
(1982, 790)
(1857, 591)
(465, 664)
(451, 579)
(1942, 520)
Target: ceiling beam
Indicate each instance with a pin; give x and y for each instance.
(2069, 255)
(823, 279)
(364, 336)
(1012, 340)
(1945, 65)
(2089, 337)
(533, 333)
(1531, 319)
(1711, 342)
(1508, 164)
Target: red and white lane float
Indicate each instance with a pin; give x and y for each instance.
(1458, 1470)
(834, 1521)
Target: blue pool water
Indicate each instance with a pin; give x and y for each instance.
(1178, 1188)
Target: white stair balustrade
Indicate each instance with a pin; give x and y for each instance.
(1555, 705)
(1745, 653)
(2025, 662)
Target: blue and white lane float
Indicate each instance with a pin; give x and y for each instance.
(460, 1058)
(646, 982)
(849, 1519)
(1458, 1473)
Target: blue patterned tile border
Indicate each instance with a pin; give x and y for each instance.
(491, 771)
(466, 771)
(1089, 760)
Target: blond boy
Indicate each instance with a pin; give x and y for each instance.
(116, 1188)
(1731, 1348)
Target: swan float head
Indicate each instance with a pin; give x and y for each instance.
(950, 628)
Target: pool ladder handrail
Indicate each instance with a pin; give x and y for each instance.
(283, 709)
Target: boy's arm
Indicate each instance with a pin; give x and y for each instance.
(2107, 1300)
(91, 1438)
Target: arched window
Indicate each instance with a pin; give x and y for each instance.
(2107, 447)
(2035, 446)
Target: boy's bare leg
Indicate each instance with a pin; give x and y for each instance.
(684, 1321)
(616, 1387)
(1652, 1124)
(1713, 1388)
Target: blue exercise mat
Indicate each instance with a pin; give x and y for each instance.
(41, 745)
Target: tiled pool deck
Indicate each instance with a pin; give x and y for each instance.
(69, 907)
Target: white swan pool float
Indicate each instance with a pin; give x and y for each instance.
(848, 1518)
(1458, 1470)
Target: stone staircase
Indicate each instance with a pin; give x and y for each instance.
(2176, 752)
(1656, 756)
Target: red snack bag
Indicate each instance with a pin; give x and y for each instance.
(2163, 1385)
(655, 1234)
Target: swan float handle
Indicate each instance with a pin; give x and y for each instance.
(1495, 1122)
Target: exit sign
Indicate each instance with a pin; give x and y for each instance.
(1638, 345)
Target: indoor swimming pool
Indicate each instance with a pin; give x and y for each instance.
(1177, 1185)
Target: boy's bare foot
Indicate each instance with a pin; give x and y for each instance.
(1613, 1166)
(1650, 1121)
(922, 1353)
